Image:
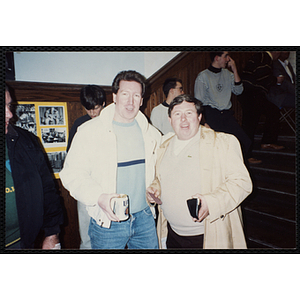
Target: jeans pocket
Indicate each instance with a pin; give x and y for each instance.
(147, 211)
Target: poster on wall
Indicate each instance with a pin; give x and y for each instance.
(48, 121)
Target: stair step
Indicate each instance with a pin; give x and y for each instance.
(274, 233)
(257, 244)
(284, 181)
(284, 209)
(269, 213)
(287, 141)
(286, 154)
(276, 188)
(287, 168)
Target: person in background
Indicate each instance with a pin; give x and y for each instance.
(115, 154)
(258, 78)
(159, 116)
(197, 162)
(93, 99)
(214, 87)
(283, 94)
(32, 203)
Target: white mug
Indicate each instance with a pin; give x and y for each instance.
(120, 207)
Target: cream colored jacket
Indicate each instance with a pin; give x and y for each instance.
(225, 183)
(90, 167)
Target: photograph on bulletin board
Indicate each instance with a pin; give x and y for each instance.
(49, 123)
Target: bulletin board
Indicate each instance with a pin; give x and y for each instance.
(49, 122)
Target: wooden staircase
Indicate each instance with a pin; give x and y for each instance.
(270, 211)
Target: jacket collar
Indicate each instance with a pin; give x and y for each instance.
(203, 131)
(11, 131)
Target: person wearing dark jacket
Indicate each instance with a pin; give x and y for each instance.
(93, 99)
(284, 94)
(32, 201)
(258, 78)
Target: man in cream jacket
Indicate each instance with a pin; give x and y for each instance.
(200, 163)
(111, 155)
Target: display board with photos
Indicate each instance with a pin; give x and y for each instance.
(48, 121)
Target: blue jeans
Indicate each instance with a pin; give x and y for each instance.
(138, 232)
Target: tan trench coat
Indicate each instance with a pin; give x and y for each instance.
(225, 183)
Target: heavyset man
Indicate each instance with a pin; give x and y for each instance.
(197, 162)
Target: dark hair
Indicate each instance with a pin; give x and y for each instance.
(7, 89)
(170, 83)
(179, 99)
(213, 54)
(91, 96)
(128, 76)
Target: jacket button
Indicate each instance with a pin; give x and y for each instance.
(222, 217)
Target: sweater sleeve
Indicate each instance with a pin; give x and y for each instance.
(236, 87)
(200, 88)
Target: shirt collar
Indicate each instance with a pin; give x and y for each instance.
(214, 70)
(286, 62)
(165, 104)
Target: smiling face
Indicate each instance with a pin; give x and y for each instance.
(185, 120)
(8, 113)
(128, 101)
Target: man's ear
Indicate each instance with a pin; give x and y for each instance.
(141, 102)
(169, 119)
(199, 118)
(114, 98)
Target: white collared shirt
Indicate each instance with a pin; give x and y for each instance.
(287, 69)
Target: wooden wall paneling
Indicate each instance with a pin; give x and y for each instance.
(187, 66)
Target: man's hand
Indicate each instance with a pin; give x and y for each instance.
(231, 64)
(203, 211)
(152, 195)
(50, 241)
(280, 79)
(104, 202)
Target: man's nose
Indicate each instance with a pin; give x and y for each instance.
(131, 99)
(8, 113)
